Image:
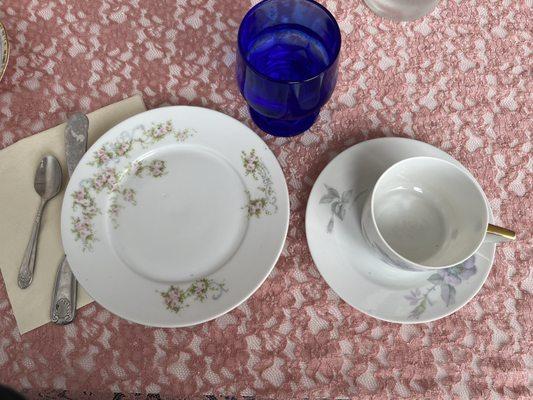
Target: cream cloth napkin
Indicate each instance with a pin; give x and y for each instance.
(18, 205)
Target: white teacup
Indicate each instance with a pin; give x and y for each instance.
(425, 213)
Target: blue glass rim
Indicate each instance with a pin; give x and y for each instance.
(290, 82)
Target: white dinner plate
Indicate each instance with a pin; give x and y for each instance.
(175, 216)
(4, 50)
(354, 270)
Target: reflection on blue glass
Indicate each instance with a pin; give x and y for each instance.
(287, 63)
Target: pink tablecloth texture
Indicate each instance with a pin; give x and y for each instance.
(460, 79)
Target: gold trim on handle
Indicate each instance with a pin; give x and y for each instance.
(503, 232)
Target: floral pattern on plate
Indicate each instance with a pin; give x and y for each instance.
(155, 169)
(121, 148)
(444, 280)
(266, 203)
(107, 178)
(176, 298)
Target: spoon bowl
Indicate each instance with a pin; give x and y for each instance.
(48, 178)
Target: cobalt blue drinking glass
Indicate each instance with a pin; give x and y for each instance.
(287, 63)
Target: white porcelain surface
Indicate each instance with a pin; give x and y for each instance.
(425, 213)
(401, 10)
(4, 50)
(187, 228)
(165, 218)
(354, 270)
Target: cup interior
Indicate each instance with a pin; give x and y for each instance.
(430, 212)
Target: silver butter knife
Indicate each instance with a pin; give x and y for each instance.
(65, 289)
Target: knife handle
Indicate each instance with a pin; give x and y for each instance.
(64, 296)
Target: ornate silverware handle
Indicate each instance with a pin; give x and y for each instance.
(64, 299)
(64, 295)
(28, 260)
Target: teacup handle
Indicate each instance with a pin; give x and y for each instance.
(497, 234)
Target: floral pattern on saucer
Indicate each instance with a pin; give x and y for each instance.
(338, 203)
(267, 202)
(176, 298)
(395, 262)
(445, 280)
(107, 178)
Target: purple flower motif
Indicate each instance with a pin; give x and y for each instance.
(90, 210)
(256, 207)
(136, 168)
(112, 183)
(81, 198)
(201, 289)
(82, 228)
(157, 168)
(250, 162)
(174, 295)
(114, 209)
(176, 298)
(449, 277)
(129, 195)
(181, 135)
(102, 155)
(469, 268)
(413, 297)
(108, 178)
(445, 281)
(98, 184)
(79, 195)
(122, 148)
(158, 132)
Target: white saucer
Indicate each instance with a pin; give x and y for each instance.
(353, 269)
(175, 216)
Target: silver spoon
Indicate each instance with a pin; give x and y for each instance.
(47, 184)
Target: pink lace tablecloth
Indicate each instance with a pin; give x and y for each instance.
(460, 79)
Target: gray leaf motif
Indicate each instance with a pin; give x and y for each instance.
(331, 223)
(342, 212)
(327, 198)
(337, 203)
(358, 195)
(436, 279)
(346, 196)
(337, 208)
(447, 293)
(333, 192)
(445, 281)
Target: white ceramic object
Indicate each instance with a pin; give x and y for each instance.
(4, 50)
(425, 213)
(401, 10)
(175, 216)
(353, 269)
